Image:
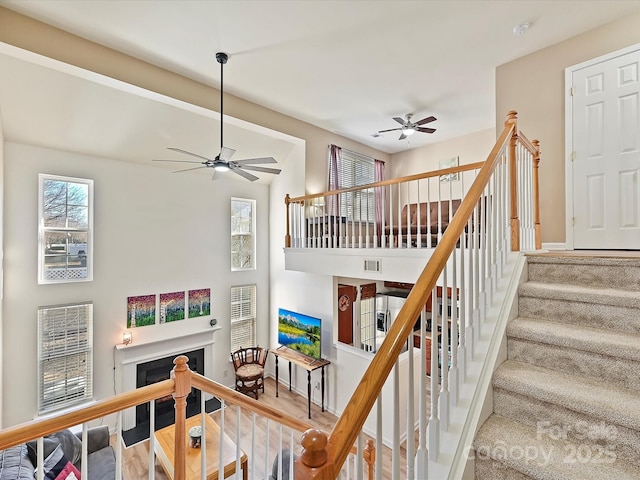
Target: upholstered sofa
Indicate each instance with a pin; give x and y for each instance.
(62, 457)
(429, 221)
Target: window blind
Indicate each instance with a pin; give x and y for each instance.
(243, 316)
(65, 356)
(354, 170)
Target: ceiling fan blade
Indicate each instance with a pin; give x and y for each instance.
(177, 161)
(274, 171)
(256, 160)
(187, 169)
(242, 173)
(189, 153)
(401, 121)
(426, 130)
(389, 130)
(426, 120)
(402, 136)
(226, 153)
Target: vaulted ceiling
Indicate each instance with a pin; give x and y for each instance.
(345, 66)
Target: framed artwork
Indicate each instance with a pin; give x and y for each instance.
(141, 311)
(199, 302)
(171, 307)
(449, 163)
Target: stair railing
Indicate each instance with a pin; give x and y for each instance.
(463, 278)
(261, 450)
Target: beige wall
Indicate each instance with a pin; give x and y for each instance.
(534, 87)
(24, 32)
(471, 148)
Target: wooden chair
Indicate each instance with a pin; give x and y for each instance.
(248, 364)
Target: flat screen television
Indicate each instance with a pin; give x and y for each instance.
(299, 332)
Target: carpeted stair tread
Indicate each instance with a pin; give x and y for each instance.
(578, 259)
(542, 457)
(576, 293)
(594, 397)
(589, 339)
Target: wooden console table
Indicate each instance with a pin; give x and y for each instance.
(308, 363)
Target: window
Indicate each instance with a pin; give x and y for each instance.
(65, 356)
(354, 170)
(243, 316)
(65, 245)
(243, 245)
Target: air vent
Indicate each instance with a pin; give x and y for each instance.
(372, 265)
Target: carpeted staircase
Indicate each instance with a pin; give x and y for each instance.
(567, 400)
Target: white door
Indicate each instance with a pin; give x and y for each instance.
(606, 153)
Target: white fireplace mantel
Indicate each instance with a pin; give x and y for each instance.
(127, 357)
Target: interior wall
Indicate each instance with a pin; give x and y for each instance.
(27, 33)
(154, 233)
(471, 148)
(1, 263)
(534, 86)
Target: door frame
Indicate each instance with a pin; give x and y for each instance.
(568, 133)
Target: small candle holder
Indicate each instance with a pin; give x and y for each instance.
(195, 434)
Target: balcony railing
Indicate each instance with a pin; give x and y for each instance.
(412, 211)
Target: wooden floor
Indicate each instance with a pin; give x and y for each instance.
(135, 459)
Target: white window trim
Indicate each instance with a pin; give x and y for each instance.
(253, 236)
(42, 229)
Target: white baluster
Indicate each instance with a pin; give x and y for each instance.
(434, 422)
(453, 371)
(379, 445)
(152, 442)
(411, 446)
(221, 439)
(422, 459)
(395, 453)
(444, 361)
(119, 447)
(238, 439)
(203, 438)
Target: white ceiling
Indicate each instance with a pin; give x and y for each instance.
(346, 66)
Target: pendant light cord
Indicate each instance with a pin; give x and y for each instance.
(222, 58)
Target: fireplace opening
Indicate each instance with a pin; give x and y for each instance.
(158, 370)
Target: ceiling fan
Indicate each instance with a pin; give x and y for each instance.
(409, 128)
(222, 162)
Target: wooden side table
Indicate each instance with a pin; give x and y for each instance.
(308, 363)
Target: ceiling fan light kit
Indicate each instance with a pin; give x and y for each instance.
(409, 128)
(222, 162)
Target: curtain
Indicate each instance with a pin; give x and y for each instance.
(335, 158)
(379, 199)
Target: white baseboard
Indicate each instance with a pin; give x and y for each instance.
(554, 246)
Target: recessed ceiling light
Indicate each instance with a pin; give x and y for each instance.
(520, 30)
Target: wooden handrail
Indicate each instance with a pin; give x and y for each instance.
(529, 145)
(179, 386)
(357, 409)
(383, 183)
(209, 386)
(21, 433)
